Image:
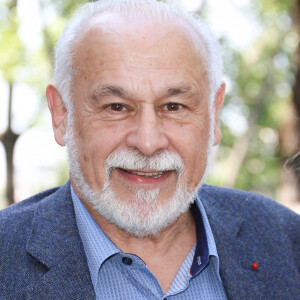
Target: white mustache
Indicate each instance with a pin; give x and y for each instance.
(134, 160)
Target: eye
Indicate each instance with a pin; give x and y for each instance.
(173, 106)
(116, 107)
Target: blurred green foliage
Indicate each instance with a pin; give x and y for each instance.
(12, 49)
(261, 80)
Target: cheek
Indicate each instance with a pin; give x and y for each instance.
(191, 142)
(96, 144)
(192, 137)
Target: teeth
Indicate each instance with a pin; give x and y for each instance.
(153, 174)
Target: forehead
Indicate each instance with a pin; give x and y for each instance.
(111, 37)
(144, 56)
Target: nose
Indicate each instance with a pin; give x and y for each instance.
(147, 135)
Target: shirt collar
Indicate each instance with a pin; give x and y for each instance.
(206, 245)
(98, 247)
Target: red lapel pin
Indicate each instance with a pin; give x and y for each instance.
(254, 266)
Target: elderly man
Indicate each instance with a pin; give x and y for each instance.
(136, 96)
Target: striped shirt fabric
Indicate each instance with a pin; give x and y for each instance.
(118, 275)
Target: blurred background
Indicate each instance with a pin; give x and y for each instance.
(260, 117)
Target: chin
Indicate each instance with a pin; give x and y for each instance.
(142, 215)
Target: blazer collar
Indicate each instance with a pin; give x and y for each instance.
(54, 241)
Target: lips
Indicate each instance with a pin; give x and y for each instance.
(145, 178)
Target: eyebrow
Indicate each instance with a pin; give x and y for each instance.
(109, 90)
(178, 90)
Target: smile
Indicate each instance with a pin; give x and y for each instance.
(146, 174)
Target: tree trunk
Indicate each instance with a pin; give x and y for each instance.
(9, 138)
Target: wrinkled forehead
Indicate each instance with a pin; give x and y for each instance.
(110, 35)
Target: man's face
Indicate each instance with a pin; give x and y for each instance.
(140, 87)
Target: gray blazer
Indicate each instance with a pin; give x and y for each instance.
(42, 257)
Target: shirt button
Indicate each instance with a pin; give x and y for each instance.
(127, 261)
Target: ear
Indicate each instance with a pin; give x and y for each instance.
(58, 113)
(218, 102)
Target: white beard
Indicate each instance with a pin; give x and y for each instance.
(142, 215)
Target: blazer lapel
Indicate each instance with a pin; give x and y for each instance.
(236, 253)
(245, 233)
(55, 243)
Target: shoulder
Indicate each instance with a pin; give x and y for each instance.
(234, 198)
(16, 220)
(253, 208)
(26, 207)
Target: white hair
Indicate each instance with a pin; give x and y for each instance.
(138, 9)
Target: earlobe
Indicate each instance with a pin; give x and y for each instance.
(58, 113)
(218, 102)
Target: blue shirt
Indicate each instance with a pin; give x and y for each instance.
(118, 275)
